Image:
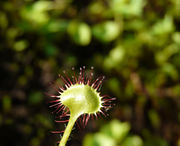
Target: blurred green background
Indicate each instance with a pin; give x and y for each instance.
(134, 43)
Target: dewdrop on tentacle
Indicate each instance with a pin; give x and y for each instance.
(79, 100)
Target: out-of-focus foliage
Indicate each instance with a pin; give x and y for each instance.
(114, 133)
(134, 43)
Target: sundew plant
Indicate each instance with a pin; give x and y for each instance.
(79, 99)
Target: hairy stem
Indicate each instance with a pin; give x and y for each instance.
(68, 130)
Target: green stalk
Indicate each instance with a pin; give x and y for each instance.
(68, 130)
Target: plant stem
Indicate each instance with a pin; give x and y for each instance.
(68, 130)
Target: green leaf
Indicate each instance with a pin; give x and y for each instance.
(117, 130)
(107, 31)
(98, 139)
(6, 103)
(115, 57)
(164, 26)
(80, 32)
(127, 7)
(20, 45)
(132, 141)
